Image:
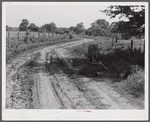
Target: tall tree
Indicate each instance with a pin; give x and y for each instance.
(100, 23)
(8, 28)
(72, 28)
(49, 27)
(79, 28)
(135, 15)
(33, 27)
(100, 27)
(24, 25)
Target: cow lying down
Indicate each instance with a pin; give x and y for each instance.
(92, 69)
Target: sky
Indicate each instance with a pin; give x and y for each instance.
(63, 15)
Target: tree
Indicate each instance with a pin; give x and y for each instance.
(121, 27)
(62, 30)
(66, 31)
(100, 23)
(11, 28)
(8, 28)
(100, 27)
(88, 32)
(33, 27)
(79, 28)
(49, 27)
(135, 25)
(24, 24)
(72, 28)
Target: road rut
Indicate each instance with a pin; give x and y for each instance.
(52, 88)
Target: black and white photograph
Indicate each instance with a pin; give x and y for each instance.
(75, 60)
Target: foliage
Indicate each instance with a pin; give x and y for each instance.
(62, 30)
(136, 81)
(8, 28)
(48, 27)
(72, 29)
(66, 31)
(24, 25)
(100, 23)
(88, 32)
(136, 19)
(121, 68)
(99, 28)
(79, 28)
(33, 27)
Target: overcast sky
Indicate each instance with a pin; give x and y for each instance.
(62, 15)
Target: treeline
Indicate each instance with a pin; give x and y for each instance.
(135, 25)
(98, 28)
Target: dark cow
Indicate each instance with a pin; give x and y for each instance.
(93, 53)
(92, 69)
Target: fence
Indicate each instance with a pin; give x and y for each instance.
(22, 35)
(132, 43)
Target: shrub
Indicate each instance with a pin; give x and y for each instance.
(121, 68)
(136, 81)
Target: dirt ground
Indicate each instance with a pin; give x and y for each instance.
(32, 83)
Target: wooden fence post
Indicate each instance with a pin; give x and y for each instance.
(33, 34)
(113, 42)
(38, 35)
(44, 34)
(8, 37)
(18, 35)
(144, 47)
(131, 45)
(52, 33)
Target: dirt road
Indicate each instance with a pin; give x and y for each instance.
(32, 83)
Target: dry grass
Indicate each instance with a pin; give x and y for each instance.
(15, 46)
(136, 80)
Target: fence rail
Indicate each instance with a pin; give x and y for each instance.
(22, 35)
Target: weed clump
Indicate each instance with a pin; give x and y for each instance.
(136, 81)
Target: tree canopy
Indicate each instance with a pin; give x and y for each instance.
(24, 25)
(100, 23)
(99, 28)
(33, 27)
(135, 25)
(49, 27)
(79, 28)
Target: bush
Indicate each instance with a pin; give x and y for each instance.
(136, 81)
(121, 68)
(137, 57)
